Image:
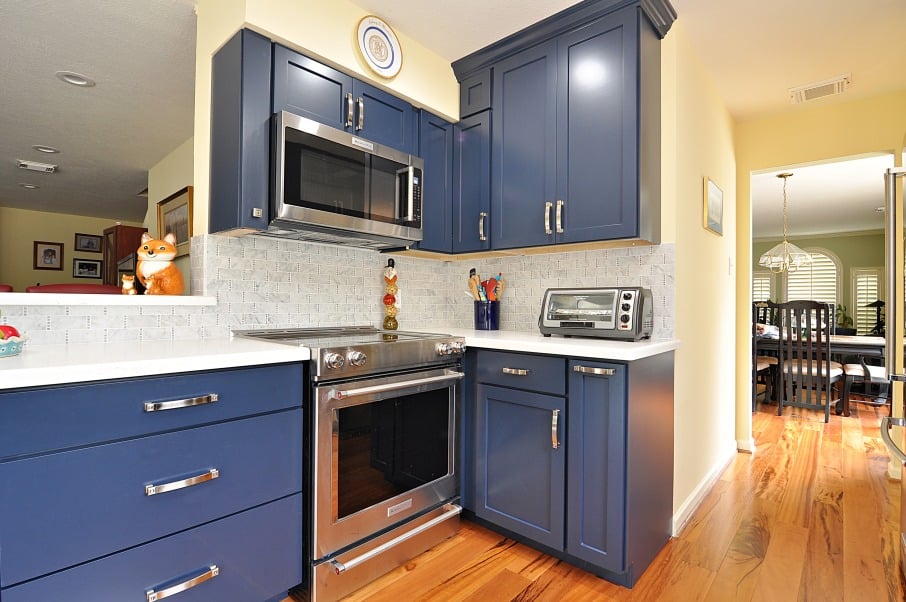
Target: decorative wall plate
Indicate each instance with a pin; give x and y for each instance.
(379, 46)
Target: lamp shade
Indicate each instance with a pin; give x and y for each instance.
(785, 257)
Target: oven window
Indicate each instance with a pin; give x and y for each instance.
(389, 447)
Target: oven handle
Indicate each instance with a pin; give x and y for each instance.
(340, 567)
(347, 393)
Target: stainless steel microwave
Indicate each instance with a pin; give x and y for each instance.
(332, 186)
(624, 313)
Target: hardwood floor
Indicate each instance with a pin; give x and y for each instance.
(810, 517)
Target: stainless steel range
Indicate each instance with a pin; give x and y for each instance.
(381, 461)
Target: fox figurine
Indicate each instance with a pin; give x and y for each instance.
(155, 269)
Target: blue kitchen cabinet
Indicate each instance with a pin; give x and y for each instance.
(475, 94)
(472, 184)
(311, 89)
(520, 473)
(167, 475)
(435, 147)
(576, 136)
(573, 455)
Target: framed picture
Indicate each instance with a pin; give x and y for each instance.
(714, 208)
(88, 243)
(48, 255)
(87, 268)
(174, 214)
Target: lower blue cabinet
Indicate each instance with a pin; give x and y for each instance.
(520, 462)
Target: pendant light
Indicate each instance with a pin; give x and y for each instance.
(785, 257)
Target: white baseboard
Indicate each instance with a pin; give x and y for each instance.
(688, 507)
(746, 446)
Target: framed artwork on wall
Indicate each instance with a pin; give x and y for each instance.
(48, 255)
(174, 214)
(713, 208)
(87, 268)
(88, 243)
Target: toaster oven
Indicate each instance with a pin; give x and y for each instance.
(624, 313)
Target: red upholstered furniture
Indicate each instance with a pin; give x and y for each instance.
(95, 289)
(5, 288)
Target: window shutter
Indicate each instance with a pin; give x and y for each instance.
(817, 282)
(866, 289)
(761, 286)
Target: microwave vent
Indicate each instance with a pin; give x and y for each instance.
(829, 87)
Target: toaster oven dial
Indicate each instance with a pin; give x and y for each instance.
(334, 361)
(624, 318)
(625, 307)
(356, 358)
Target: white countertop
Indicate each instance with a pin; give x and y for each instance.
(40, 365)
(557, 345)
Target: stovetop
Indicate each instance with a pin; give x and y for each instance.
(347, 351)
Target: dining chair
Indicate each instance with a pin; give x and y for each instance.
(806, 374)
(763, 366)
(864, 376)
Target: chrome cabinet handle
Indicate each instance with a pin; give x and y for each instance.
(174, 485)
(560, 217)
(555, 418)
(516, 371)
(361, 124)
(547, 217)
(155, 406)
(451, 511)
(152, 595)
(481, 217)
(594, 371)
(349, 110)
(347, 393)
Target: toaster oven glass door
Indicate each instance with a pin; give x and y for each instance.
(598, 308)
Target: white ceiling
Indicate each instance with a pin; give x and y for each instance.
(141, 53)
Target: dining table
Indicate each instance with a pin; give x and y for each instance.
(840, 346)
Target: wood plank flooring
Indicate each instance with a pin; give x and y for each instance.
(810, 517)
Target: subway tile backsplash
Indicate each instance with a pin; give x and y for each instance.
(262, 282)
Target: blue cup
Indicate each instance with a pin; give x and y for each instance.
(487, 315)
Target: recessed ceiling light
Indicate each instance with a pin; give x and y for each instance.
(76, 79)
(41, 148)
(29, 186)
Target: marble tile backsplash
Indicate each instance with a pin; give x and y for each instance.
(263, 282)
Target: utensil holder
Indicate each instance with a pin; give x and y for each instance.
(487, 315)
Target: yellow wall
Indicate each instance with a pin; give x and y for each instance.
(23, 227)
(171, 174)
(705, 298)
(809, 133)
(323, 30)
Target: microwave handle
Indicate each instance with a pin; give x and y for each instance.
(410, 192)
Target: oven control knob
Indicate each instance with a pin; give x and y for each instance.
(458, 346)
(444, 349)
(334, 360)
(356, 358)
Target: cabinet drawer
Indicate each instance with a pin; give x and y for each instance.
(75, 415)
(521, 371)
(69, 507)
(258, 554)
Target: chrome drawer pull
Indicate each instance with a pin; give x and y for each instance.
(153, 595)
(516, 371)
(154, 406)
(547, 217)
(560, 217)
(361, 123)
(595, 371)
(165, 487)
(555, 418)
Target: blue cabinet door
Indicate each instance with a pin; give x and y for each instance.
(310, 89)
(384, 118)
(524, 147)
(435, 147)
(519, 474)
(472, 183)
(597, 130)
(596, 435)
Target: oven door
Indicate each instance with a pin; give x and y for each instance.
(385, 451)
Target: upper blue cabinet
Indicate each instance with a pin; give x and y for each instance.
(575, 143)
(310, 89)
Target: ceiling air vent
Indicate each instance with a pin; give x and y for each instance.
(34, 166)
(829, 87)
